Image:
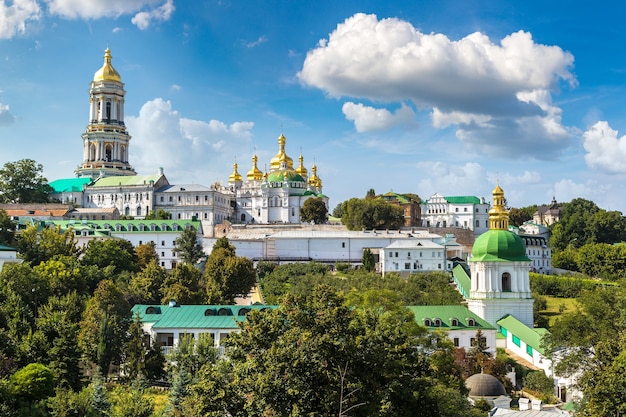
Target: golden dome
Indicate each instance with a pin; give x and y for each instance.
(301, 169)
(107, 72)
(255, 173)
(498, 215)
(235, 176)
(314, 180)
(281, 156)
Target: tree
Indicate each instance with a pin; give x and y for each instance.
(182, 284)
(316, 346)
(188, 247)
(7, 229)
(104, 327)
(36, 247)
(517, 216)
(314, 210)
(337, 211)
(369, 262)
(135, 350)
(23, 182)
(146, 285)
(227, 276)
(358, 214)
(118, 253)
(146, 253)
(32, 383)
(370, 194)
(160, 214)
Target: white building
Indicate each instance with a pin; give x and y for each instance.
(211, 205)
(414, 255)
(8, 255)
(467, 212)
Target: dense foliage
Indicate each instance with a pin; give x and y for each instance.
(314, 210)
(23, 182)
(371, 213)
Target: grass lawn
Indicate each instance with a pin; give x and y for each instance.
(558, 306)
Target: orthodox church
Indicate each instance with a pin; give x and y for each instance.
(105, 178)
(275, 196)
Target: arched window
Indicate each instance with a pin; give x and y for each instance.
(427, 322)
(109, 153)
(127, 211)
(92, 152)
(471, 322)
(123, 153)
(138, 211)
(243, 217)
(108, 110)
(506, 282)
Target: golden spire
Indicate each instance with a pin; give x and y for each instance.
(235, 176)
(255, 173)
(314, 180)
(107, 72)
(281, 156)
(498, 215)
(301, 169)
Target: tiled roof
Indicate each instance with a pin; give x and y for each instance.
(194, 316)
(530, 336)
(446, 314)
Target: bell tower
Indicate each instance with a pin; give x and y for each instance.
(105, 140)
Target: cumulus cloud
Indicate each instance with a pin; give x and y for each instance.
(186, 148)
(368, 119)
(159, 14)
(96, 9)
(15, 17)
(605, 150)
(484, 88)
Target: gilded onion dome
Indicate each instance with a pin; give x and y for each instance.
(301, 169)
(107, 72)
(498, 215)
(255, 173)
(235, 176)
(281, 156)
(314, 180)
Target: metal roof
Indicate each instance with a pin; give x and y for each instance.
(446, 314)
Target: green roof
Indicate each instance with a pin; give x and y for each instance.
(462, 280)
(391, 196)
(194, 316)
(446, 314)
(532, 337)
(7, 249)
(499, 246)
(128, 225)
(279, 176)
(126, 180)
(463, 199)
(66, 185)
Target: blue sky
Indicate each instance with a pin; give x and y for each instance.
(423, 96)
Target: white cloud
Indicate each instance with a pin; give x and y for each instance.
(497, 94)
(605, 150)
(96, 9)
(6, 118)
(15, 17)
(262, 39)
(175, 87)
(159, 14)
(368, 119)
(187, 149)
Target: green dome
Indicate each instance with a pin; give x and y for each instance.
(499, 245)
(279, 176)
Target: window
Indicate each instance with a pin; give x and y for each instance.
(477, 223)
(396, 254)
(438, 322)
(163, 254)
(465, 209)
(343, 244)
(454, 322)
(529, 350)
(456, 342)
(456, 209)
(516, 340)
(471, 322)
(162, 243)
(427, 322)
(506, 282)
(161, 199)
(391, 254)
(407, 265)
(170, 199)
(503, 331)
